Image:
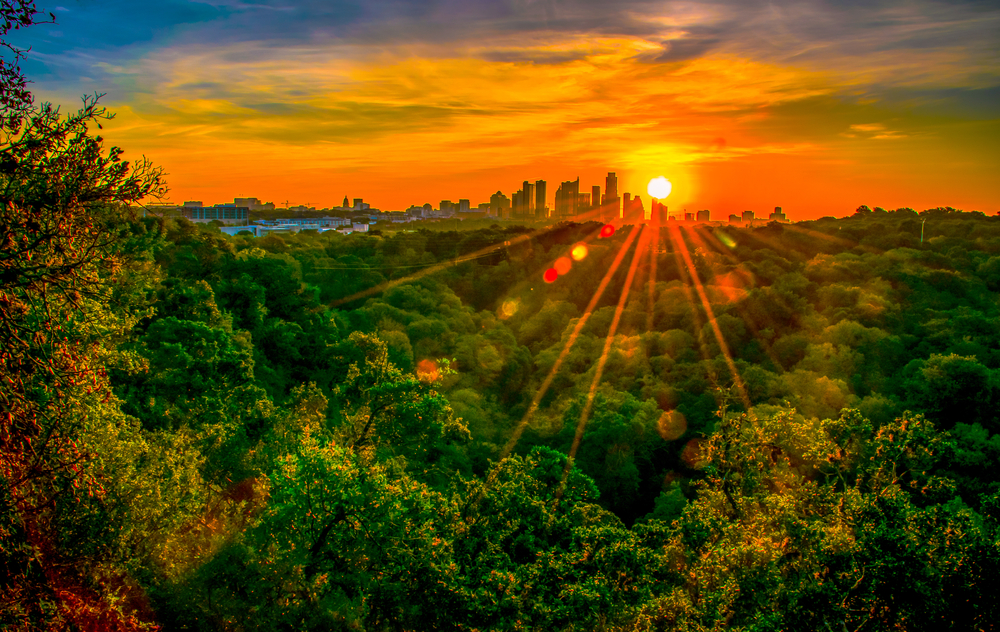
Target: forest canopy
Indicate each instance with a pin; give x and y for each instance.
(691, 427)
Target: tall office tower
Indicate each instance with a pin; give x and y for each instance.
(357, 204)
(595, 195)
(734, 219)
(632, 209)
(541, 199)
(688, 217)
(566, 198)
(516, 203)
(777, 215)
(658, 212)
(463, 206)
(529, 198)
(747, 217)
(582, 202)
(638, 213)
(703, 216)
(611, 204)
(611, 186)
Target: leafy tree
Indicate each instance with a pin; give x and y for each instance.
(61, 199)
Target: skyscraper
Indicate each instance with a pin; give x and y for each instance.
(611, 186)
(610, 202)
(541, 199)
(566, 198)
(595, 196)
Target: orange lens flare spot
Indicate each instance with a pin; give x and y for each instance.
(672, 425)
(693, 454)
(427, 371)
(550, 275)
(607, 231)
(563, 265)
(579, 252)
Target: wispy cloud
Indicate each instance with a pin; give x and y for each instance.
(453, 87)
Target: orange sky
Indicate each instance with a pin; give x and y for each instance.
(741, 106)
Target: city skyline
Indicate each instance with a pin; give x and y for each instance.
(821, 106)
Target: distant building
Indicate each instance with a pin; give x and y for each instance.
(529, 199)
(734, 219)
(252, 203)
(447, 206)
(541, 199)
(306, 223)
(524, 201)
(704, 216)
(777, 215)
(595, 196)
(611, 203)
(632, 209)
(688, 217)
(359, 205)
(747, 217)
(193, 204)
(500, 205)
(567, 196)
(346, 204)
(611, 187)
(658, 212)
(225, 213)
(463, 206)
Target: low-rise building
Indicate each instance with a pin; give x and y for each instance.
(225, 213)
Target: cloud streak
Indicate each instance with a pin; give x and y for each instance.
(407, 92)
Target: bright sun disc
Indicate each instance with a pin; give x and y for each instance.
(659, 187)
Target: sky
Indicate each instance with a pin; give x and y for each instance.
(814, 106)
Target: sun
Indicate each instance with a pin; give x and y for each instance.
(659, 187)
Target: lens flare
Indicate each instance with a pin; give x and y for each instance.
(693, 454)
(659, 187)
(726, 240)
(563, 265)
(427, 371)
(579, 252)
(607, 231)
(672, 425)
(509, 308)
(551, 275)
